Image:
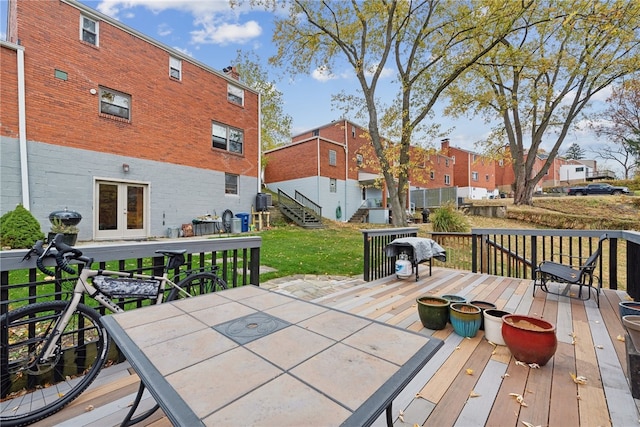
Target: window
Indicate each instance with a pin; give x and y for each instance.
(175, 68)
(447, 180)
(500, 162)
(332, 157)
(227, 138)
(235, 94)
(474, 176)
(359, 159)
(115, 103)
(89, 30)
(353, 131)
(316, 132)
(446, 162)
(333, 185)
(580, 169)
(230, 183)
(486, 177)
(432, 175)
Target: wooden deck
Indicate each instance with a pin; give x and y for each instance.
(469, 382)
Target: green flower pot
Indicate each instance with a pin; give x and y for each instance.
(433, 312)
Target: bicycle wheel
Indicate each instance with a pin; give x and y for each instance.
(197, 284)
(33, 389)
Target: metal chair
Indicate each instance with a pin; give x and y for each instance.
(582, 276)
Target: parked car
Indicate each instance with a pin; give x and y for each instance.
(597, 189)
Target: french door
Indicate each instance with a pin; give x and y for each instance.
(122, 210)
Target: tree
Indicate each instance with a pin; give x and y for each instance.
(276, 125)
(622, 127)
(427, 44)
(575, 152)
(540, 79)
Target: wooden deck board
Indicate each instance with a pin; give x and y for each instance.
(439, 394)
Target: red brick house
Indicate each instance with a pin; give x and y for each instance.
(334, 165)
(474, 174)
(101, 119)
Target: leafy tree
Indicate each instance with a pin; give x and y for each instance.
(575, 152)
(622, 127)
(275, 124)
(427, 45)
(540, 79)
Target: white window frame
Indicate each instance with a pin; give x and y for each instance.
(333, 185)
(474, 176)
(233, 138)
(96, 32)
(359, 159)
(432, 175)
(447, 180)
(175, 68)
(231, 188)
(117, 105)
(235, 94)
(332, 157)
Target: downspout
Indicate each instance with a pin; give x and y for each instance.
(318, 177)
(259, 142)
(346, 168)
(22, 130)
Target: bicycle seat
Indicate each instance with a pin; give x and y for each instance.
(171, 252)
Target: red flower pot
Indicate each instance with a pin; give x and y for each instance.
(530, 339)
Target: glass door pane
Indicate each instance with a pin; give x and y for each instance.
(135, 207)
(107, 207)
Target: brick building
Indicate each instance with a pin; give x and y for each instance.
(474, 174)
(335, 165)
(101, 119)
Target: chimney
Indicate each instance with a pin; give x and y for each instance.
(444, 146)
(231, 71)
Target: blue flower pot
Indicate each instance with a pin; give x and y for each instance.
(465, 319)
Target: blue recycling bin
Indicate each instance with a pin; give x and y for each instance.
(244, 218)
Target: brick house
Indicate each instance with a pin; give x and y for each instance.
(130, 133)
(474, 174)
(334, 165)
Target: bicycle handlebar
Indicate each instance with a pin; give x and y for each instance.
(61, 252)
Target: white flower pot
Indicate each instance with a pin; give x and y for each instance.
(493, 325)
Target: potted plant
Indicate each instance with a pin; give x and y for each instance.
(59, 227)
(465, 319)
(530, 339)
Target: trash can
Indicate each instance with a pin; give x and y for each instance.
(236, 225)
(244, 218)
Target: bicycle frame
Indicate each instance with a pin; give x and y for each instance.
(83, 286)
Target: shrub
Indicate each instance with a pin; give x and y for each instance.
(19, 229)
(448, 219)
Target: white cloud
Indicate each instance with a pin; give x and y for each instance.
(323, 74)
(164, 30)
(185, 51)
(224, 33)
(113, 8)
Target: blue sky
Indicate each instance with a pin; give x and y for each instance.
(211, 32)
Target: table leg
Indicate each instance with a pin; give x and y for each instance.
(128, 420)
(389, 416)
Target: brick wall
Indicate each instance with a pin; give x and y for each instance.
(170, 120)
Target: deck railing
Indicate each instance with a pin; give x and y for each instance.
(516, 253)
(238, 260)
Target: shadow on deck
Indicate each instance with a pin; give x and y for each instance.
(469, 381)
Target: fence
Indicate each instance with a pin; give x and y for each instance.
(516, 253)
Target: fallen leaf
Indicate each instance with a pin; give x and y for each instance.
(88, 408)
(534, 366)
(419, 396)
(401, 416)
(473, 394)
(529, 424)
(599, 347)
(469, 371)
(519, 363)
(519, 398)
(578, 379)
(620, 338)
(505, 375)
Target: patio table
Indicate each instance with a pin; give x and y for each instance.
(249, 356)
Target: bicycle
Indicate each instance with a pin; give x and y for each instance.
(57, 348)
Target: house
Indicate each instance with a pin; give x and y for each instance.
(105, 121)
(335, 166)
(474, 174)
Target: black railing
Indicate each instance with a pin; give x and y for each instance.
(516, 253)
(238, 260)
(308, 203)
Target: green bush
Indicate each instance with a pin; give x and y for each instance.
(447, 219)
(19, 229)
